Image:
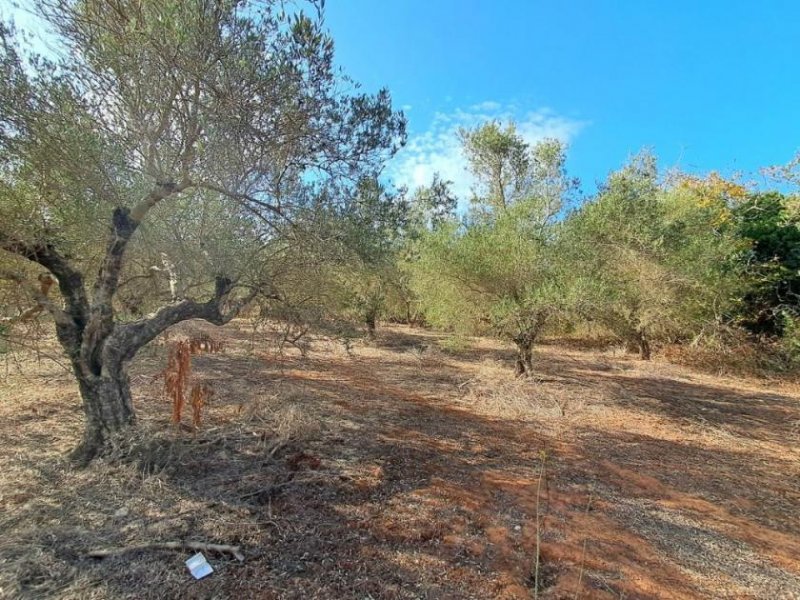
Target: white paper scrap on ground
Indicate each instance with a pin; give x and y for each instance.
(198, 566)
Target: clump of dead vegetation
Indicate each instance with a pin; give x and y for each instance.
(733, 353)
(176, 377)
(278, 421)
(491, 392)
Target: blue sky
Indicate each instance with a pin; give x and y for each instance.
(706, 84)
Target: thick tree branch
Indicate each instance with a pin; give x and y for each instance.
(70, 281)
(124, 223)
(180, 545)
(127, 339)
(160, 192)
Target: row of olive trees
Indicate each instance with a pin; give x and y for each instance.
(344, 270)
(652, 257)
(649, 258)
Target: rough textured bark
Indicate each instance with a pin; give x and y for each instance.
(525, 339)
(524, 361)
(102, 373)
(644, 345)
(99, 348)
(108, 407)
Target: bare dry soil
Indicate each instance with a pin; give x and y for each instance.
(401, 469)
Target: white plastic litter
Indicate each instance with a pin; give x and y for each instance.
(198, 566)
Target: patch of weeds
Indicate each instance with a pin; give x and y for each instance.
(546, 578)
(455, 344)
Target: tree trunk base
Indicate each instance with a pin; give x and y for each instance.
(524, 362)
(639, 344)
(108, 406)
(644, 348)
(371, 327)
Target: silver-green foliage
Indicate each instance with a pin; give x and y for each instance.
(652, 259)
(497, 271)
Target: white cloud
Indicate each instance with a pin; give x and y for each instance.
(438, 148)
(489, 105)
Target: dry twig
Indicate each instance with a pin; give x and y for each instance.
(235, 551)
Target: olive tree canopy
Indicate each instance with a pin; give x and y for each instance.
(210, 121)
(497, 271)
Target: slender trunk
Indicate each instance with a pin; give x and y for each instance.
(108, 406)
(524, 362)
(371, 325)
(644, 346)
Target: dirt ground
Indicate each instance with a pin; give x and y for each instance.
(402, 469)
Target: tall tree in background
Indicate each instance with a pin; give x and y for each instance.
(507, 170)
(770, 221)
(430, 208)
(497, 271)
(153, 110)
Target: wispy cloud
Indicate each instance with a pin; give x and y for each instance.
(438, 149)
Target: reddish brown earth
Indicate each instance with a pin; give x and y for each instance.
(401, 470)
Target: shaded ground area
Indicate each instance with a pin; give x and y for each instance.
(399, 470)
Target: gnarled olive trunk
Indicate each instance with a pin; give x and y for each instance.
(101, 367)
(108, 406)
(638, 342)
(524, 360)
(98, 346)
(525, 339)
(644, 346)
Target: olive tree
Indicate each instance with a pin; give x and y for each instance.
(217, 118)
(371, 228)
(653, 257)
(430, 208)
(497, 271)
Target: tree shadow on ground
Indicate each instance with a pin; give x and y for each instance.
(398, 495)
(762, 416)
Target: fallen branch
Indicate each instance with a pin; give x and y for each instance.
(198, 546)
(276, 487)
(461, 386)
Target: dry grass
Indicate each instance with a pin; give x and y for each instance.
(764, 360)
(409, 468)
(492, 391)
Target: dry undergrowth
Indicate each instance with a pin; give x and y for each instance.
(408, 468)
(176, 377)
(492, 391)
